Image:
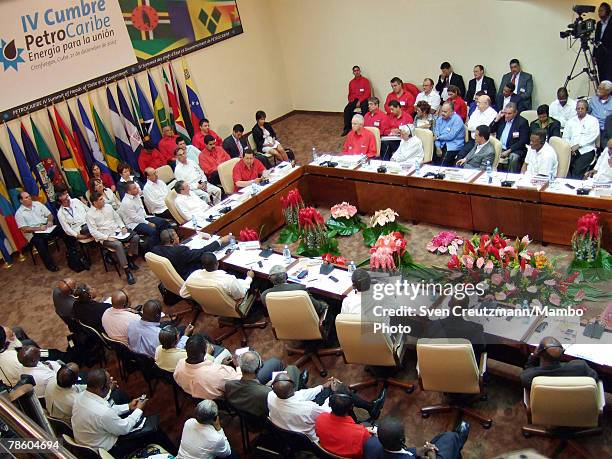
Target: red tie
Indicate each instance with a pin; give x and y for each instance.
(514, 79)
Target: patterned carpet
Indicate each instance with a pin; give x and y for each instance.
(26, 301)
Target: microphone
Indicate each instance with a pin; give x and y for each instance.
(507, 183)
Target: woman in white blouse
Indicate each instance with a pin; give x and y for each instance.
(410, 150)
(109, 196)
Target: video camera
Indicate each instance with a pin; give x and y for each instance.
(580, 28)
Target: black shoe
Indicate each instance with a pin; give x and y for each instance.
(52, 268)
(377, 404)
(133, 266)
(130, 277)
(303, 381)
(463, 429)
(345, 132)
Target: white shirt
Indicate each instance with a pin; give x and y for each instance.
(297, 413)
(604, 171)
(202, 441)
(42, 373)
(562, 114)
(60, 400)
(72, 217)
(190, 205)
(132, 211)
(116, 321)
(10, 368)
(351, 304)
(433, 99)
(478, 85)
(190, 173)
(542, 162)
(516, 83)
(234, 287)
(104, 223)
(193, 154)
(480, 118)
(33, 216)
(582, 132)
(409, 151)
(154, 194)
(96, 424)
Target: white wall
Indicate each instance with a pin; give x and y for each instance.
(323, 39)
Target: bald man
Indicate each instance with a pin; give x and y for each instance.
(63, 299)
(546, 361)
(62, 391)
(42, 372)
(116, 319)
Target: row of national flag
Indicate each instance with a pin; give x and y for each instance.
(134, 119)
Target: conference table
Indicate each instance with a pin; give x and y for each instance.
(463, 199)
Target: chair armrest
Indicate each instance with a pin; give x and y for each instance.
(526, 397)
(601, 396)
(483, 364)
(323, 316)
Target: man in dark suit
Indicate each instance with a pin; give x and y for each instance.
(480, 82)
(506, 96)
(184, 259)
(523, 84)
(513, 133)
(455, 326)
(447, 78)
(86, 309)
(603, 51)
(236, 144)
(278, 277)
(546, 361)
(249, 394)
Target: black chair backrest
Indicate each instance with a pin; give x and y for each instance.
(60, 427)
(291, 442)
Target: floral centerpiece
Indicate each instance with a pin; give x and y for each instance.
(314, 239)
(443, 241)
(382, 222)
(590, 260)
(248, 234)
(344, 220)
(291, 205)
(389, 252)
(511, 273)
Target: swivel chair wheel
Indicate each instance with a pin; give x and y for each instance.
(486, 424)
(323, 373)
(484, 397)
(409, 390)
(424, 415)
(526, 434)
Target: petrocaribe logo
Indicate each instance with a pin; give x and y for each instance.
(10, 55)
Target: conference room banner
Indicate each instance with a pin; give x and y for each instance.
(57, 49)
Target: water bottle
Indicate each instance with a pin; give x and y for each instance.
(489, 172)
(525, 308)
(351, 267)
(194, 222)
(315, 156)
(417, 167)
(551, 179)
(287, 254)
(232, 241)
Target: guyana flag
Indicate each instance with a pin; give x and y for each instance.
(179, 124)
(158, 26)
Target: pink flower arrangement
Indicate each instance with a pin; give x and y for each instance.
(343, 210)
(388, 251)
(445, 241)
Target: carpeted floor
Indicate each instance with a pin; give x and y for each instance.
(26, 301)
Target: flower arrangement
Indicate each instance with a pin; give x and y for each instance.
(381, 223)
(334, 260)
(344, 220)
(291, 205)
(248, 234)
(590, 260)
(443, 241)
(389, 252)
(314, 239)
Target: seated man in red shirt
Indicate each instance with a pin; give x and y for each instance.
(375, 116)
(358, 94)
(396, 118)
(198, 138)
(167, 144)
(459, 105)
(359, 141)
(210, 158)
(337, 431)
(248, 170)
(405, 99)
(150, 157)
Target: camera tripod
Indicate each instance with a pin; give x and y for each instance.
(590, 70)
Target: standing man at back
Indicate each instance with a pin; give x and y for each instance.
(358, 95)
(523, 84)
